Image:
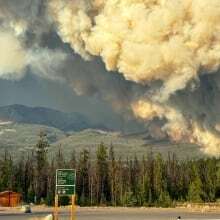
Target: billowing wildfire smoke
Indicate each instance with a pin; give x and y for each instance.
(170, 41)
(146, 40)
(177, 127)
(167, 52)
(14, 62)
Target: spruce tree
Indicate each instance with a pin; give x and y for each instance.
(158, 177)
(102, 174)
(195, 192)
(41, 167)
(6, 172)
(60, 160)
(112, 174)
(73, 162)
(83, 178)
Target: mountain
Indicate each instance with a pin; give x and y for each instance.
(20, 139)
(47, 117)
(20, 127)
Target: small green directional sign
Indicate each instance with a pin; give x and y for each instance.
(65, 182)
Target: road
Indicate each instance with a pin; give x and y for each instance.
(118, 214)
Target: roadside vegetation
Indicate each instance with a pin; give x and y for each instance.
(111, 181)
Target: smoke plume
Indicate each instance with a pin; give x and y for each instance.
(46, 55)
(179, 128)
(168, 40)
(167, 45)
(12, 56)
(166, 51)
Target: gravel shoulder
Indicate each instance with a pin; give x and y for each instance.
(188, 209)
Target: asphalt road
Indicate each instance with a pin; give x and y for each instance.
(118, 215)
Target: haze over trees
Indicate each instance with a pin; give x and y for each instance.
(108, 180)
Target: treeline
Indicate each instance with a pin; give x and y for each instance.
(150, 181)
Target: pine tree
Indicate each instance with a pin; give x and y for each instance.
(172, 176)
(150, 173)
(73, 162)
(158, 177)
(30, 179)
(195, 192)
(83, 177)
(102, 174)
(19, 182)
(112, 174)
(145, 183)
(136, 182)
(208, 173)
(60, 160)
(120, 184)
(51, 183)
(41, 167)
(6, 172)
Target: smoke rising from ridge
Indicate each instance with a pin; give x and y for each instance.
(173, 42)
(166, 51)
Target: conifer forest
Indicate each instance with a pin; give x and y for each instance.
(111, 181)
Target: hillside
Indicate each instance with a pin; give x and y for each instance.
(124, 146)
(20, 127)
(18, 137)
(45, 116)
(21, 138)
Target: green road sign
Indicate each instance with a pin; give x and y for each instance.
(65, 182)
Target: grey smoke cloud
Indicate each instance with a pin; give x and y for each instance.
(174, 42)
(168, 67)
(46, 55)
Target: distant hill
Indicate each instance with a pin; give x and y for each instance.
(20, 127)
(15, 136)
(47, 117)
(19, 139)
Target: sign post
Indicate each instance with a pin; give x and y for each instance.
(56, 207)
(65, 186)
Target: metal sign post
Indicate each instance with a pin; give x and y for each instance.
(56, 207)
(65, 186)
(73, 208)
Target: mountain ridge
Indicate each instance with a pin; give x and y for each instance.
(46, 116)
(20, 127)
